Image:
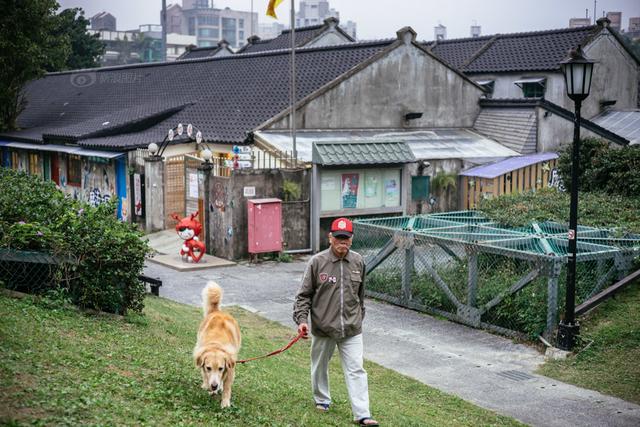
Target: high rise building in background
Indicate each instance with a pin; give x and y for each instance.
(103, 21)
(616, 20)
(634, 24)
(210, 25)
(314, 12)
(579, 22)
(476, 30)
(440, 32)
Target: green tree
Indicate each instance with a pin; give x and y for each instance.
(34, 40)
(86, 48)
(28, 46)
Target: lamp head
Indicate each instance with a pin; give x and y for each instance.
(153, 148)
(577, 70)
(207, 155)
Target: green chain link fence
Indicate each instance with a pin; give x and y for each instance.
(467, 268)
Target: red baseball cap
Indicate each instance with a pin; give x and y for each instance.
(342, 227)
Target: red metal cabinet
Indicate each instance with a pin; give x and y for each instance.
(265, 225)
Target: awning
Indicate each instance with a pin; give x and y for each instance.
(494, 170)
(484, 82)
(425, 144)
(329, 153)
(68, 149)
(540, 80)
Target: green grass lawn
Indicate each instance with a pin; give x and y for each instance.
(610, 363)
(63, 367)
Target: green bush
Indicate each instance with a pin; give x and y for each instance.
(107, 255)
(595, 209)
(611, 170)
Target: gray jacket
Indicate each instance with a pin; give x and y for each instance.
(332, 291)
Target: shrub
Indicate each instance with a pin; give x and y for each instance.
(611, 170)
(594, 209)
(107, 254)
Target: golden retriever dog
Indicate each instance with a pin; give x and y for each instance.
(218, 344)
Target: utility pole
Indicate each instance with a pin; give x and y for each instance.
(163, 55)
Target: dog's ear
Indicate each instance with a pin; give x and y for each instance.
(199, 358)
(231, 363)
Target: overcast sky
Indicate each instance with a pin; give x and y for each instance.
(382, 18)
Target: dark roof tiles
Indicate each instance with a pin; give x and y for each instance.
(224, 97)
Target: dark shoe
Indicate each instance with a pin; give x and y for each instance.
(369, 422)
(322, 407)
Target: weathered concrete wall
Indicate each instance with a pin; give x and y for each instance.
(615, 76)
(154, 195)
(378, 96)
(556, 132)
(228, 209)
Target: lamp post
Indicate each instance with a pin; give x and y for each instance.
(577, 70)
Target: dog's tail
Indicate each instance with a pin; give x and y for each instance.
(211, 297)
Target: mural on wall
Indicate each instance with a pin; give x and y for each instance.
(98, 181)
(350, 190)
(555, 180)
(219, 196)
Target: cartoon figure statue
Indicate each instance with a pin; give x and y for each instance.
(188, 229)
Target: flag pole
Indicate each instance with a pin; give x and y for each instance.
(293, 80)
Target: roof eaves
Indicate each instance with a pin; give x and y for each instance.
(587, 124)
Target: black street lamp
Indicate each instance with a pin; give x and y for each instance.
(577, 71)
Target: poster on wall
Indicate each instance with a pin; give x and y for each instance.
(193, 185)
(391, 192)
(137, 194)
(349, 190)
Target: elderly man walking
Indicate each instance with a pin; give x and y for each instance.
(332, 292)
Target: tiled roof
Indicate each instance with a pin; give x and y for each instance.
(623, 123)
(283, 41)
(515, 128)
(536, 51)
(225, 97)
(530, 51)
(362, 153)
(458, 51)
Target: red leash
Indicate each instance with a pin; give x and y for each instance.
(273, 353)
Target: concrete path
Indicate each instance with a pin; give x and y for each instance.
(488, 370)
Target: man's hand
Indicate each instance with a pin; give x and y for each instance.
(303, 329)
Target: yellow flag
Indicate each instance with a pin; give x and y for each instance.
(271, 8)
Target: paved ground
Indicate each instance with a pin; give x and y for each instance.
(479, 367)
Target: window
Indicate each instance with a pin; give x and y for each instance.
(359, 189)
(241, 35)
(208, 20)
(208, 32)
(488, 86)
(532, 87)
(192, 26)
(240, 23)
(74, 170)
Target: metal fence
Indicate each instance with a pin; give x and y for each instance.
(464, 267)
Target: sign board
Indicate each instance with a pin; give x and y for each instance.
(244, 156)
(249, 191)
(193, 185)
(137, 194)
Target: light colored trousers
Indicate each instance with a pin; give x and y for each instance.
(351, 354)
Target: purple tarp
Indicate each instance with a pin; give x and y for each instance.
(501, 167)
